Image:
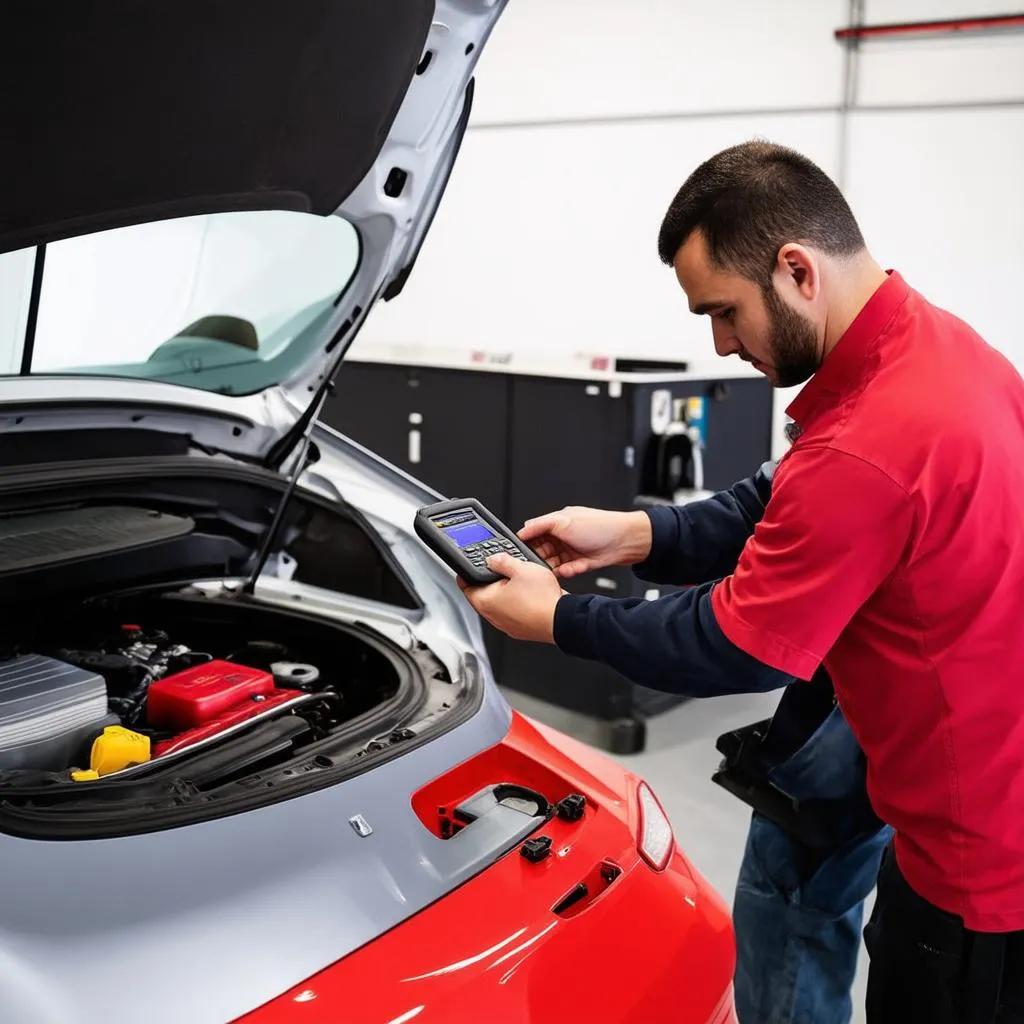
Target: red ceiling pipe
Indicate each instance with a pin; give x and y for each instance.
(998, 21)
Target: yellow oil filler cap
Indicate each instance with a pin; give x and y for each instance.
(118, 748)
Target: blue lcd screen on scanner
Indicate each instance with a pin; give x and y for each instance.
(465, 534)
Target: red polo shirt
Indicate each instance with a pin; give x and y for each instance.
(892, 551)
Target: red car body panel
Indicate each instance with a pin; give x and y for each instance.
(647, 946)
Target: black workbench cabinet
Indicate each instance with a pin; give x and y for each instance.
(525, 444)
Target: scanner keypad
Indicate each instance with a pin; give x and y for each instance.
(479, 553)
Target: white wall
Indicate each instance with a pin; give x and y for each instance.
(556, 59)
(548, 238)
(946, 207)
(968, 67)
(588, 116)
(936, 164)
(590, 113)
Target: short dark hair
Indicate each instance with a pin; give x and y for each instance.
(749, 201)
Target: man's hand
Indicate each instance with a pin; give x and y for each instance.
(578, 540)
(523, 604)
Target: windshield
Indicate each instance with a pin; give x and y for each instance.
(228, 302)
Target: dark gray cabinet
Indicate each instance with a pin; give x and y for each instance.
(442, 426)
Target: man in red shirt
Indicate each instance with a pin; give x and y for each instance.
(891, 552)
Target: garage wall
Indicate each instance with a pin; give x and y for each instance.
(590, 113)
(936, 163)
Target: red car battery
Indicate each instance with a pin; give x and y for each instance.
(200, 694)
(242, 714)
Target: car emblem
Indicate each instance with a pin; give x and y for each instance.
(361, 826)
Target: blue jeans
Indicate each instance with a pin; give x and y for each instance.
(797, 911)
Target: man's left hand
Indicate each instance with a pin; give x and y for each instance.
(522, 605)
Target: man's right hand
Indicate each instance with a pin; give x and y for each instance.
(578, 540)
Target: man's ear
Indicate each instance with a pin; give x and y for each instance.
(797, 269)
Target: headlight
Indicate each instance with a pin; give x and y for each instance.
(655, 841)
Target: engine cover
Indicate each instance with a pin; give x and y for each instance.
(49, 712)
(199, 695)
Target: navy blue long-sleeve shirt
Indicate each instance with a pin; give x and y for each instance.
(674, 643)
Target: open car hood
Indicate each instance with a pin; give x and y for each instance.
(118, 113)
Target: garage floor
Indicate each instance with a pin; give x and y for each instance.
(679, 760)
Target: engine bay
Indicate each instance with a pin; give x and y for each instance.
(90, 693)
(134, 700)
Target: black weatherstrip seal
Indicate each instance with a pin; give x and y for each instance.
(33, 311)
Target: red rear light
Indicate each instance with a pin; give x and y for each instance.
(654, 840)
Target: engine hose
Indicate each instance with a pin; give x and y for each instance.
(135, 700)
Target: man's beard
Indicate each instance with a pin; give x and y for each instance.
(794, 343)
